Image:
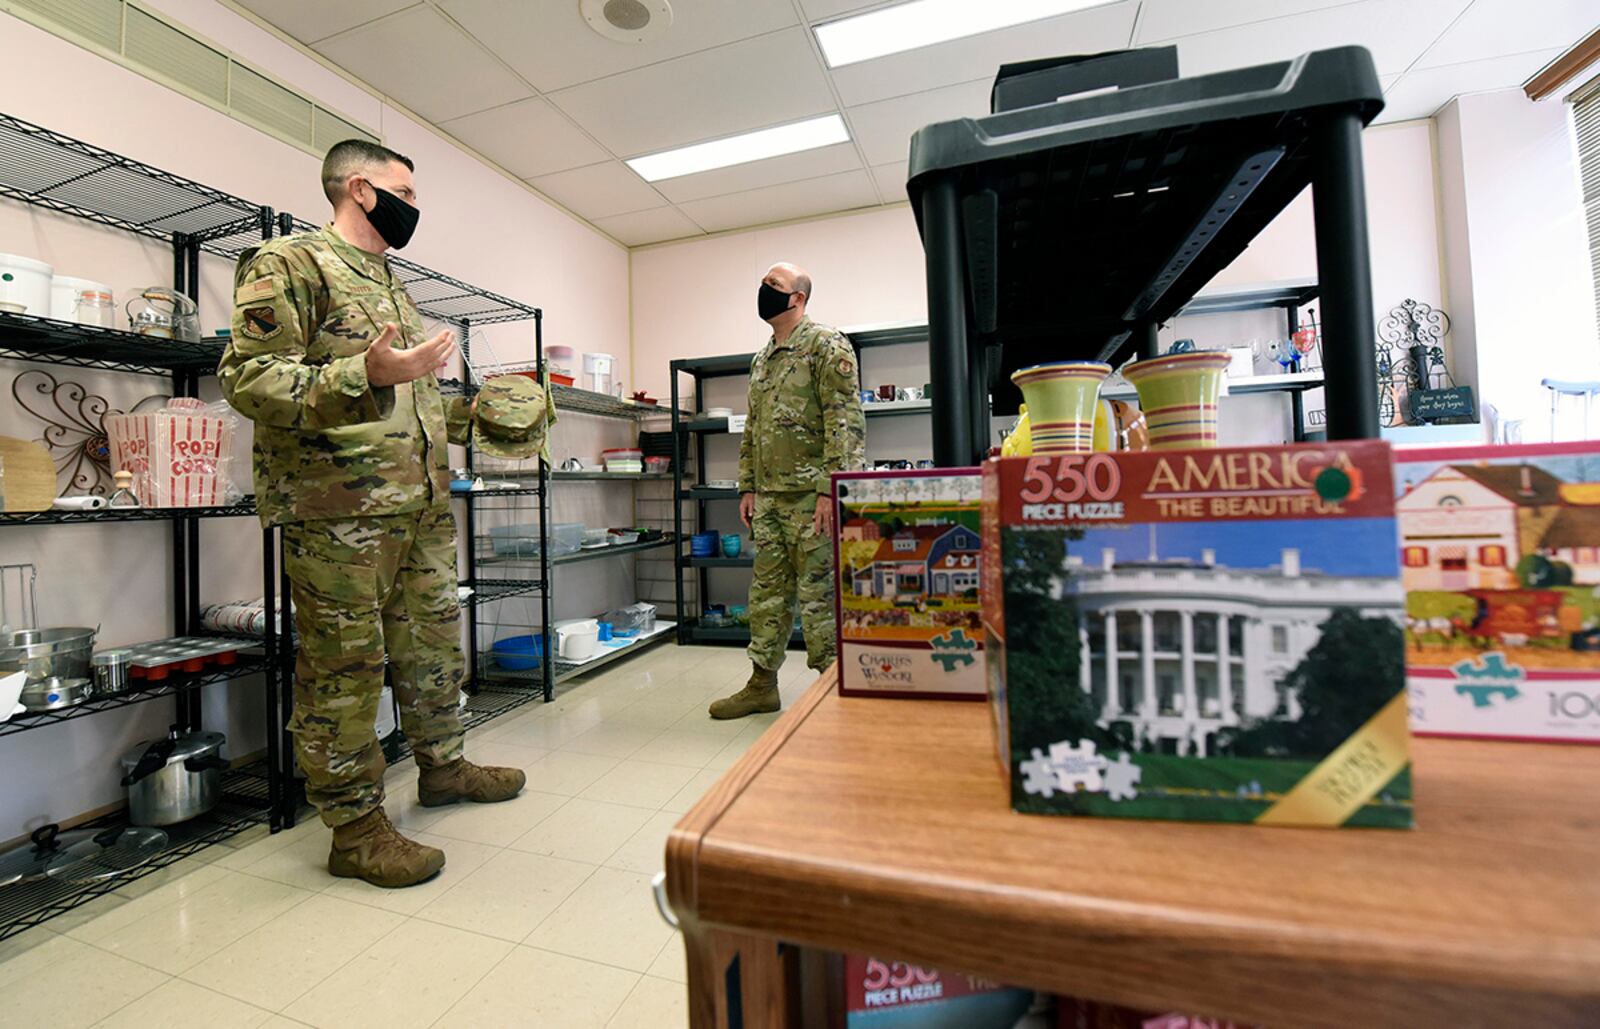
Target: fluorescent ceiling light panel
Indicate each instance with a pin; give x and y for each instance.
(926, 22)
(749, 146)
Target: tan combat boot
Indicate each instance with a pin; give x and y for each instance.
(462, 780)
(759, 696)
(370, 848)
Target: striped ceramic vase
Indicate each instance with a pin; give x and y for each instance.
(1179, 396)
(1062, 398)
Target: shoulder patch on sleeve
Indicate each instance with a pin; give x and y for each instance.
(260, 323)
(251, 292)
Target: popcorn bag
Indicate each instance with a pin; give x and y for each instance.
(180, 456)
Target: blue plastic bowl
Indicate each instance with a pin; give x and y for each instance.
(518, 653)
(460, 485)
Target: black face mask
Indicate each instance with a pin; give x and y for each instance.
(771, 302)
(393, 218)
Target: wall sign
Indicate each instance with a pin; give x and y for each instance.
(1429, 405)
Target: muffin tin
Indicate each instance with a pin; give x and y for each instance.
(160, 659)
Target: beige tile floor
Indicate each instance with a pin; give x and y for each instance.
(542, 916)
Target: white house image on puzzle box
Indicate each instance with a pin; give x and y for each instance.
(1180, 649)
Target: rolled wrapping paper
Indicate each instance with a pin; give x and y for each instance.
(1062, 400)
(1178, 394)
(246, 617)
(78, 503)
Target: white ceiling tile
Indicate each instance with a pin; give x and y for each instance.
(1495, 28)
(426, 63)
(1164, 19)
(830, 193)
(643, 227)
(551, 45)
(311, 20)
(884, 129)
(891, 180)
(980, 56)
(807, 164)
(1396, 31)
(769, 80)
(824, 10)
(527, 138)
(599, 191)
(1421, 92)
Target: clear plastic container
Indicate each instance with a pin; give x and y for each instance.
(522, 540)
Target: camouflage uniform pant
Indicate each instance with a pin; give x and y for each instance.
(363, 588)
(792, 562)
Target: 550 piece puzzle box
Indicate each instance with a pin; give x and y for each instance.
(1210, 635)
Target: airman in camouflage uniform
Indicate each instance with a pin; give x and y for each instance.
(804, 423)
(327, 358)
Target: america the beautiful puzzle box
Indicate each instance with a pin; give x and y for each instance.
(1500, 556)
(908, 562)
(1209, 635)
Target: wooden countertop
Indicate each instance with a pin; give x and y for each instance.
(864, 825)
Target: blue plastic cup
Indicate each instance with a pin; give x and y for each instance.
(731, 545)
(605, 632)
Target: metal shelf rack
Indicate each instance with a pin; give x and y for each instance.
(24, 337)
(66, 176)
(246, 795)
(178, 685)
(565, 670)
(247, 506)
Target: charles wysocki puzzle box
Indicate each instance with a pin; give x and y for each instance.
(1209, 635)
(1500, 556)
(908, 565)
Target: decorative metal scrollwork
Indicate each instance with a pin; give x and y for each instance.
(1410, 355)
(74, 431)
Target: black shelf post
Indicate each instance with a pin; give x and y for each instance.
(471, 383)
(948, 358)
(1343, 269)
(679, 451)
(547, 658)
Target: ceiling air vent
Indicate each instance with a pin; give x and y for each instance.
(172, 54)
(331, 129)
(137, 39)
(93, 21)
(258, 99)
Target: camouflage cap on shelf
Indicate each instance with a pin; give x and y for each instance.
(510, 419)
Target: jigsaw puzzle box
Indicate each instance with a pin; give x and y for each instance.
(1500, 556)
(1206, 635)
(908, 560)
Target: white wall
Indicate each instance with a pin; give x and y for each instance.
(476, 225)
(697, 298)
(1517, 248)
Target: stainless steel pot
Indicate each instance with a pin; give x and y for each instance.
(174, 779)
(53, 694)
(48, 653)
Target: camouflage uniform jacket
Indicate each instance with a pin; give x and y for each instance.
(327, 443)
(805, 420)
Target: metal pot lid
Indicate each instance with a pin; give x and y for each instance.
(102, 854)
(184, 746)
(80, 855)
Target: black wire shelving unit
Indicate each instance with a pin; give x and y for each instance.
(246, 796)
(47, 170)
